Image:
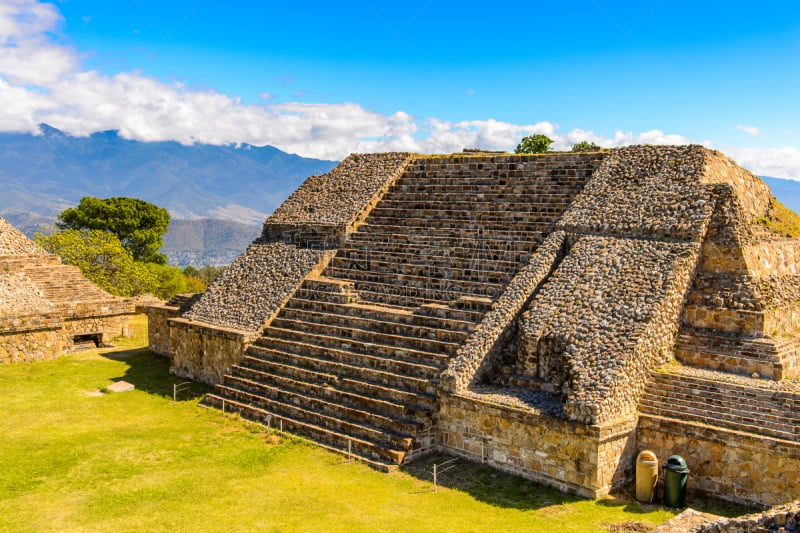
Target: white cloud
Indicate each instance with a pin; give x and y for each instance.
(750, 130)
(28, 55)
(41, 80)
(775, 162)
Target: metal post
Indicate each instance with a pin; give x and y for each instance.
(349, 450)
(281, 421)
(435, 481)
(223, 406)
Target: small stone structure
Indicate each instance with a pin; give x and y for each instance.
(549, 315)
(47, 308)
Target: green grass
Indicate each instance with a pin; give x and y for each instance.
(781, 220)
(73, 460)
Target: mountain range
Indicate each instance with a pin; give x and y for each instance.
(44, 174)
(218, 196)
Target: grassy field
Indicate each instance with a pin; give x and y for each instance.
(76, 458)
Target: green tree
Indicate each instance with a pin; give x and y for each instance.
(534, 144)
(585, 146)
(102, 258)
(138, 225)
(169, 280)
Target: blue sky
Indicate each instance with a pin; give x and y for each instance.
(327, 78)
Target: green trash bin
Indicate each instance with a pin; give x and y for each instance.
(675, 482)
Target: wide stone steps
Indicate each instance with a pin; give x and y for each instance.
(386, 358)
(379, 314)
(435, 258)
(470, 199)
(724, 400)
(771, 358)
(418, 297)
(348, 331)
(508, 247)
(469, 210)
(282, 366)
(351, 393)
(394, 328)
(439, 268)
(64, 284)
(389, 374)
(388, 297)
(465, 235)
(476, 225)
(506, 251)
(381, 454)
(332, 403)
(450, 285)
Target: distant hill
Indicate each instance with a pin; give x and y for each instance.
(207, 241)
(44, 174)
(786, 191)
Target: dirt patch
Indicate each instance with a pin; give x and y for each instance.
(630, 527)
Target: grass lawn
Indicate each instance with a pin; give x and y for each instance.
(75, 459)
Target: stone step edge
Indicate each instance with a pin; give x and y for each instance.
(333, 339)
(382, 402)
(332, 362)
(649, 405)
(343, 410)
(354, 381)
(392, 336)
(373, 462)
(744, 382)
(701, 426)
(324, 315)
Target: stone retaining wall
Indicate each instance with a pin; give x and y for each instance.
(572, 457)
(205, 352)
(604, 319)
(158, 327)
(254, 286)
(326, 208)
(39, 340)
(734, 466)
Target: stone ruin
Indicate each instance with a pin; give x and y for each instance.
(48, 308)
(549, 315)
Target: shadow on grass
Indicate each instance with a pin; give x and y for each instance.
(485, 484)
(149, 372)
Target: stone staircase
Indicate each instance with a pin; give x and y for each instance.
(64, 284)
(769, 358)
(353, 359)
(725, 401)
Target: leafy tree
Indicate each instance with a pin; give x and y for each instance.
(169, 280)
(139, 225)
(534, 144)
(102, 258)
(195, 284)
(585, 146)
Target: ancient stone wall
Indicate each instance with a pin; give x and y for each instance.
(205, 353)
(254, 286)
(779, 519)
(325, 208)
(569, 456)
(158, 327)
(30, 338)
(607, 315)
(645, 191)
(730, 465)
(478, 357)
